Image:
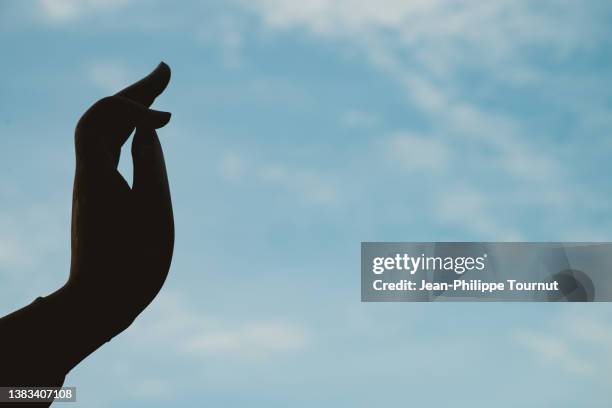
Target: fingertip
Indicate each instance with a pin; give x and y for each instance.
(161, 75)
(147, 89)
(157, 119)
(165, 69)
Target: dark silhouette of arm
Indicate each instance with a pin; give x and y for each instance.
(122, 242)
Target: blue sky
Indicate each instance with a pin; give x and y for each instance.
(298, 131)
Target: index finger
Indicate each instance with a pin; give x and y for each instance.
(148, 88)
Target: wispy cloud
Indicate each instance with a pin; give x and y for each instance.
(12, 253)
(431, 48)
(108, 75)
(59, 11)
(226, 34)
(555, 351)
(33, 260)
(577, 341)
(417, 152)
(356, 118)
(173, 324)
(253, 340)
(473, 211)
(444, 33)
(306, 184)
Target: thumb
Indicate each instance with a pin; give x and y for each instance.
(150, 178)
(151, 199)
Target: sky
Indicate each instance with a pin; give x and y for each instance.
(299, 130)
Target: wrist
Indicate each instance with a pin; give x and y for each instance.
(75, 321)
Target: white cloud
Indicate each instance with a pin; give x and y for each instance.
(471, 125)
(554, 350)
(417, 152)
(149, 388)
(253, 340)
(578, 341)
(427, 47)
(172, 324)
(355, 118)
(67, 10)
(328, 16)
(233, 166)
(309, 185)
(472, 210)
(12, 254)
(28, 240)
(593, 329)
(109, 76)
(444, 33)
(227, 35)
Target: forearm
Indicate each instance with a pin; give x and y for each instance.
(42, 342)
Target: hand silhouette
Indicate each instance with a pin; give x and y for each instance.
(122, 237)
(122, 242)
